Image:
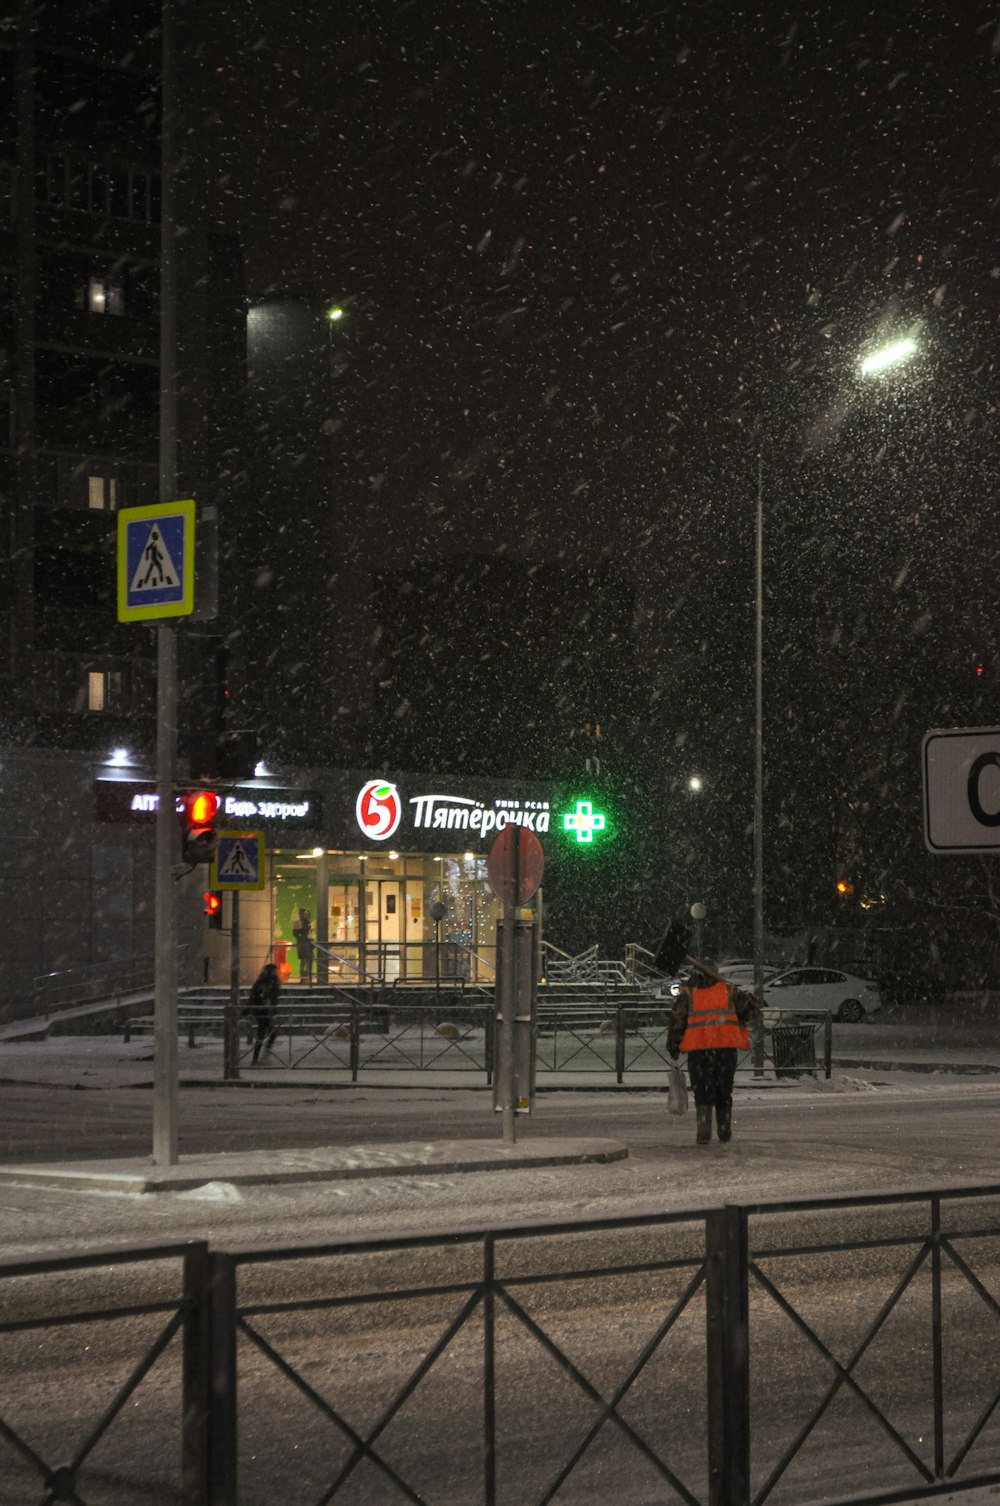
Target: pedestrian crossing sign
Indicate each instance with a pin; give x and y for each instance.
(156, 561)
(239, 861)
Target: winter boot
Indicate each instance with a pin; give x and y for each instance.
(724, 1123)
(704, 1114)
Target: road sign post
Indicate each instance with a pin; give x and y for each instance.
(239, 863)
(231, 1022)
(514, 866)
(156, 561)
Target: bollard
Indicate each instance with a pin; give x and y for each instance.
(620, 1044)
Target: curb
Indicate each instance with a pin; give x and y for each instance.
(335, 1164)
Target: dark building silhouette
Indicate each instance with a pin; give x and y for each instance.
(80, 198)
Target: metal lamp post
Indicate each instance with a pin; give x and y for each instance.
(878, 362)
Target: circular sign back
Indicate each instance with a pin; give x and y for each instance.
(500, 865)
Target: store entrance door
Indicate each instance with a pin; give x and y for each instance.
(384, 909)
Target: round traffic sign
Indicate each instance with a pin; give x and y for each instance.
(500, 864)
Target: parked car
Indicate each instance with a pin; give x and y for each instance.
(827, 989)
(741, 971)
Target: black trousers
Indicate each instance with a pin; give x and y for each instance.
(267, 1030)
(712, 1074)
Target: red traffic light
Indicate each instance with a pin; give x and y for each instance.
(201, 808)
(200, 839)
(213, 909)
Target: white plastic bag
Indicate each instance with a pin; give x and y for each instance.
(677, 1094)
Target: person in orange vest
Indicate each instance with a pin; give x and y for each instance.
(709, 1021)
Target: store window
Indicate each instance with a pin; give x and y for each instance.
(380, 920)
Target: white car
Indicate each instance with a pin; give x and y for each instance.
(824, 989)
(741, 971)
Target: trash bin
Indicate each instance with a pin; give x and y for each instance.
(793, 1050)
(281, 962)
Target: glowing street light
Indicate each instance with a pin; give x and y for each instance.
(696, 784)
(889, 355)
(335, 313)
(885, 359)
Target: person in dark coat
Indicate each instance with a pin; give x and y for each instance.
(262, 1006)
(301, 931)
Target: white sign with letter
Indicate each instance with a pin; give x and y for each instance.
(962, 789)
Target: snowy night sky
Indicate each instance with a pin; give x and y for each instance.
(594, 261)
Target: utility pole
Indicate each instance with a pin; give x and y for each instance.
(165, 1116)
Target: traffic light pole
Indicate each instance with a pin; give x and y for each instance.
(165, 983)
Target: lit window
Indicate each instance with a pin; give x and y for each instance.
(104, 297)
(104, 689)
(102, 493)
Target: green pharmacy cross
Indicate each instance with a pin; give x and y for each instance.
(585, 821)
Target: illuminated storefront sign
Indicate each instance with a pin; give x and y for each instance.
(381, 809)
(584, 821)
(134, 800)
(378, 809)
(457, 813)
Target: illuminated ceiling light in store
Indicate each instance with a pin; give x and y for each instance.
(394, 856)
(318, 852)
(470, 855)
(120, 757)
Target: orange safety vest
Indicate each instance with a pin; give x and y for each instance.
(712, 1021)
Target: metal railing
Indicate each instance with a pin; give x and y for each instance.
(348, 1033)
(714, 1371)
(55, 1467)
(585, 967)
(87, 982)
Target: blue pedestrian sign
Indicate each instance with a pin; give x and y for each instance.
(156, 561)
(239, 861)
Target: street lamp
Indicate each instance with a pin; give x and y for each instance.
(888, 356)
(884, 359)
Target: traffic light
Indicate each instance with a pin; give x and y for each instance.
(844, 889)
(200, 838)
(213, 909)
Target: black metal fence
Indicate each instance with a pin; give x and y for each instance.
(358, 1037)
(790, 1352)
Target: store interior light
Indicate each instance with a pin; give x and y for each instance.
(119, 757)
(261, 770)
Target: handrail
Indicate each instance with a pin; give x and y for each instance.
(111, 975)
(346, 961)
(551, 947)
